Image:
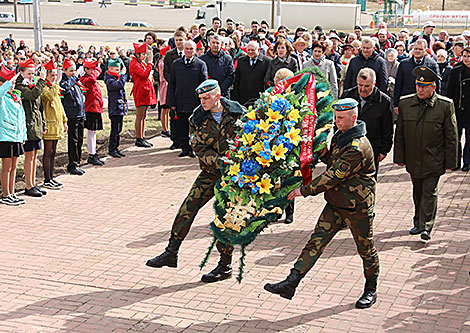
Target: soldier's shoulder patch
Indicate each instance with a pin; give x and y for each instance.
(355, 143)
(407, 96)
(443, 98)
(342, 169)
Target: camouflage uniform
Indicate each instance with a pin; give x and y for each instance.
(209, 142)
(349, 187)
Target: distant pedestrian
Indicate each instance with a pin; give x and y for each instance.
(103, 4)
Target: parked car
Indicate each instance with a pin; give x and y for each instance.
(137, 24)
(82, 21)
(7, 17)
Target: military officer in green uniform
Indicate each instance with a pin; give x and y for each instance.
(211, 125)
(349, 187)
(426, 142)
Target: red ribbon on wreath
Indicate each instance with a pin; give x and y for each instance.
(308, 122)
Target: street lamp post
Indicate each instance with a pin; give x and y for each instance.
(37, 26)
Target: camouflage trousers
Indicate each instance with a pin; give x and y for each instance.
(332, 220)
(201, 192)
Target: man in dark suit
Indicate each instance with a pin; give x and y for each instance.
(405, 80)
(375, 109)
(219, 65)
(249, 76)
(187, 74)
(171, 56)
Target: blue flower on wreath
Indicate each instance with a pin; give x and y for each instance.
(281, 104)
(266, 153)
(239, 179)
(250, 167)
(254, 189)
(267, 136)
(289, 124)
(285, 142)
(275, 127)
(250, 126)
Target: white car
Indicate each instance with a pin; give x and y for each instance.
(7, 17)
(137, 24)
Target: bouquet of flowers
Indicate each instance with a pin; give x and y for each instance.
(279, 140)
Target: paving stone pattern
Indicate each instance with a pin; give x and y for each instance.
(74, 261)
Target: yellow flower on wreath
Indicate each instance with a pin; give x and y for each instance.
(293, 136)
(264, 186)
(279, 152)
(263, 162)
(294, 115)
(264, 125)
(248, 138)
(234, 169)
(258, 147)
(252, 179)
(251, 115)
(274, 116)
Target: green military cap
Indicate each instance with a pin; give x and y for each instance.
(114, 63)
(345, 104)
(425, 76)
(206, 86)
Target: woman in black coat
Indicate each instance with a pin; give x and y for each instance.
(283, 59)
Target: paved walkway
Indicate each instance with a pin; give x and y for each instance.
(74, 261)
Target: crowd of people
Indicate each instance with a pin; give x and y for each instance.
(58, 87)
(202, 79)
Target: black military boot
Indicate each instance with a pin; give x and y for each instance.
(289, 213)
(222, 271)
(369, 297)
(169, 257)
(287, 287)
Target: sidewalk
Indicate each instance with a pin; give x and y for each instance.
(74, 261)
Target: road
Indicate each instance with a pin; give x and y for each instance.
(75, 37)
(113, 15)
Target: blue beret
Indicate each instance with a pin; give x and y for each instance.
(206, 86)
(345, 104)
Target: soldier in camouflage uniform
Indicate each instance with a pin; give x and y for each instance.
(211, 125)
(349, 187)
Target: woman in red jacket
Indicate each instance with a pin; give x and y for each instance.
(143, 91)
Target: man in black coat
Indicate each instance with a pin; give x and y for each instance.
(405, 81)
(367, 57)
(187, 74)
(375, 109)
(249, 76)
(459, 91)
(170, 57)
(219, 65)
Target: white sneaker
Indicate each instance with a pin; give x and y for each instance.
(17, 199)
(8, 200)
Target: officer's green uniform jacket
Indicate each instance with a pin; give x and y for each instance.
(426, 135)
(31, 98)
(209, 138)
(349, 180)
